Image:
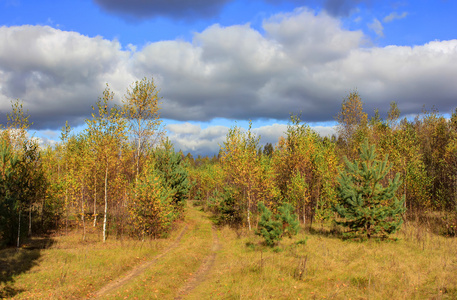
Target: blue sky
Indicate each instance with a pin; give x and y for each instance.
(221, 61)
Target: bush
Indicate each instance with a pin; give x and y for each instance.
(225, 208)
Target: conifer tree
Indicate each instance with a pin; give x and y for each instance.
(270, 228)
(366, 206)
(289, 220)
(171, 167)
(273, 228)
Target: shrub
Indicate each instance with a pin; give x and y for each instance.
(273, 228)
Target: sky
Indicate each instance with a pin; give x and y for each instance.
(221, 63)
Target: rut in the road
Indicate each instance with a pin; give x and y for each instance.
(199, 276)
(138, 270)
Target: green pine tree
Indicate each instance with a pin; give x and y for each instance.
(289, 220)
(273, 228)
(366, 206)
(269, 227)
(172, 167)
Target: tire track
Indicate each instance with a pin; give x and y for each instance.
(199, 276)
(138, 270)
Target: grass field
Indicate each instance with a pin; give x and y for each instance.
(312, 265)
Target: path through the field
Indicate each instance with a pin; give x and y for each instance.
(191, 283)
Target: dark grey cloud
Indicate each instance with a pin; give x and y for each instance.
(135, 10)
(333, 7)
(342, 7)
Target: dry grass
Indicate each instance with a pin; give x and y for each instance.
(420, 265)
(72, 269)
(168, 276)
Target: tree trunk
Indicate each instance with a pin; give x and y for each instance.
(404, 184)
(318, 197)
(66, 203)
(249, 210)
(42, 213)
(83, 212)
(106, 203)
(30, 221)
(19, 230)
(249, 218)
(138, 160)
(95, 200)
(455, 192)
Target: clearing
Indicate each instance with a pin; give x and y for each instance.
(200, 261)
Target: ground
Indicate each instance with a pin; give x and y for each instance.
(202, 261)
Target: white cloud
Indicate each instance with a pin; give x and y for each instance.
(377, 27)
(270, 133)
(394, 16)
(311, 39)
(192, 138)
(327, 131)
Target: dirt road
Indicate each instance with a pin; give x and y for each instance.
(195, 222)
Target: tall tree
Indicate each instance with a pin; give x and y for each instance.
(63, 175)
(451, 158)
(434, 134)
(106, 131)
(242, 166)
(352, 122)
(151, 210)
(17, 124)
(171, 166)
(8, 199)
(141, 107)
(305, 169)
(27, 184)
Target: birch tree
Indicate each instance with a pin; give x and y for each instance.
(141, 107)
(242, 166)
(352, 123)
(106, 131)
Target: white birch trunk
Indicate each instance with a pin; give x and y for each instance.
(30, 221)
(83, 212)
(106, 204)
(19, 230)
(95, 200)
(249, 210)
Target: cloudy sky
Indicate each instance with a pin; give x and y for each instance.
(218, 62)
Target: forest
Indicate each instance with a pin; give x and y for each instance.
(122, 178)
